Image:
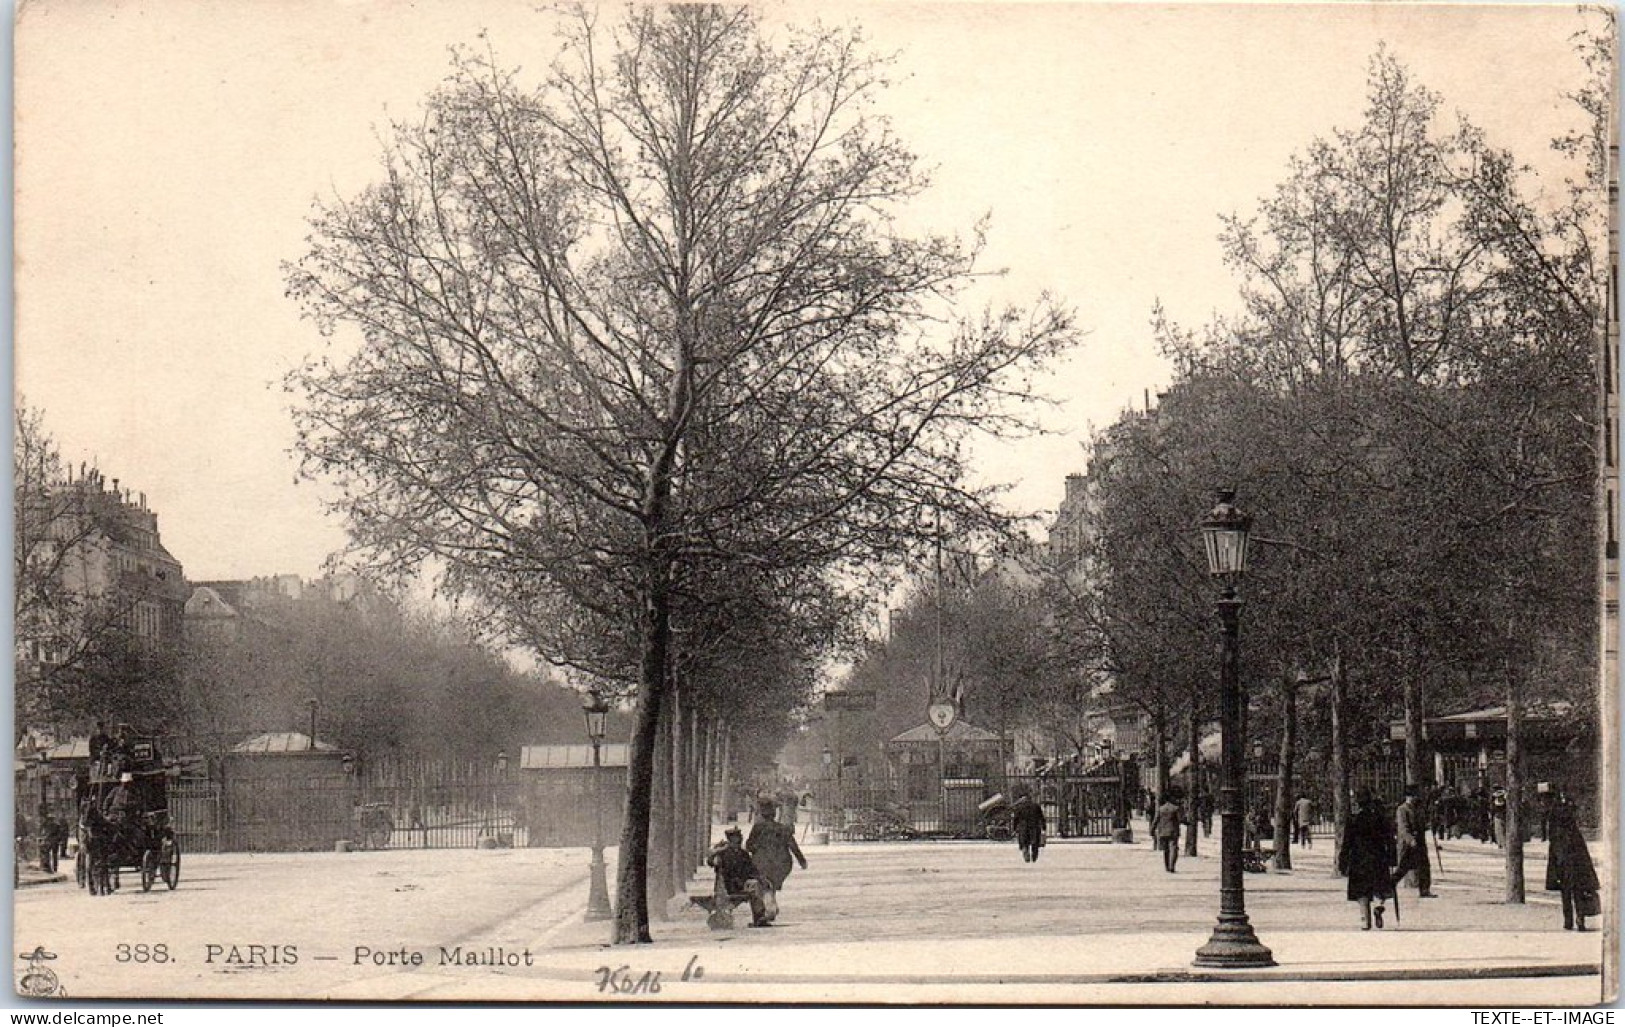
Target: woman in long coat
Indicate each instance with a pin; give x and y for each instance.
(1367, 858)
(1568, 865)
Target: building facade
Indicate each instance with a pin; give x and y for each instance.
(104, 567)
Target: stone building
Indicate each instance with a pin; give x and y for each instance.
(108, 567)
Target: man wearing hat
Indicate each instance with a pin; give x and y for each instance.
(121, 800)
(1410, 828)
(772, 845)
(740, 878)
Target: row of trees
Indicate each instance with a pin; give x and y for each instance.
(639, 356)
(1407, 401)
(387, 678)
(1408, 404)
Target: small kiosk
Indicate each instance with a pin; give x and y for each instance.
(942, 776)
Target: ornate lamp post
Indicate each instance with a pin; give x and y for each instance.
(1233, 943)
(596, 710)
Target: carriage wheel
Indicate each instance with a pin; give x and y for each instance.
(149, 868)
(170, 865)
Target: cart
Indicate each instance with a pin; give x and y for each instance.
(124, 822)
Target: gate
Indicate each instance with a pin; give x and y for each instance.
(437, 804)
(1082, 806)
(194, 814)
(453, 815)
(1075, 806)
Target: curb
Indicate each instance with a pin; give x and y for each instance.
(1274, 975)
(1443, 973)
(31, 882)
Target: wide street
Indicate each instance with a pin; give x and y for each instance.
(948, 921)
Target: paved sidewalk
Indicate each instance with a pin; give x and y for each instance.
(31, 876)
(1095, 923)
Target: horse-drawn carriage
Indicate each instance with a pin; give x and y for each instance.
(124, 821)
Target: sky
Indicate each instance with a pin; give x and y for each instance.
(168, 154)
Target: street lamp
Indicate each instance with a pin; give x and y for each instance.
(596, 711)
(1233, 943)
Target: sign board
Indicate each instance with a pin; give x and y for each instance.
(852, 702)
(943, 715)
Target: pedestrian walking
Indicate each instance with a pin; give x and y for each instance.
(1303, 815)
(1165, 829)
(1411, 857)
(1569, 870)
(772, 846)
(1027, 817)
(1498, 817)
(1204, 812)
(1368, 843)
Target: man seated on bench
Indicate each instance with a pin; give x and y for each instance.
(740, 878)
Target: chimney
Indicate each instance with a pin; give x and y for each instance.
(1074, 487)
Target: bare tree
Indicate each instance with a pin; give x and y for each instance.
(648, 319)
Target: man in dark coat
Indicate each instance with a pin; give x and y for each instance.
(1569, 870)
(740, 878)
(1165, 829)
(1027, 817)
(772, 845)
(1410, 828)
(1303, 818)
(1368, 844)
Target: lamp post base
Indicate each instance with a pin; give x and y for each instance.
(598, 907)
(1233, 946)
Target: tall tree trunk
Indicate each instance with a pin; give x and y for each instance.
(1514, 819)
(677, 850)
(1194, 775)
(631, 923)
(725, 773)
(660, 882)
(1340, 759)
(1159, 752)
(1283, 772)
(1416, 771)
(707, 771)
(691, 794)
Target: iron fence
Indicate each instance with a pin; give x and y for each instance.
(1075, 806)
